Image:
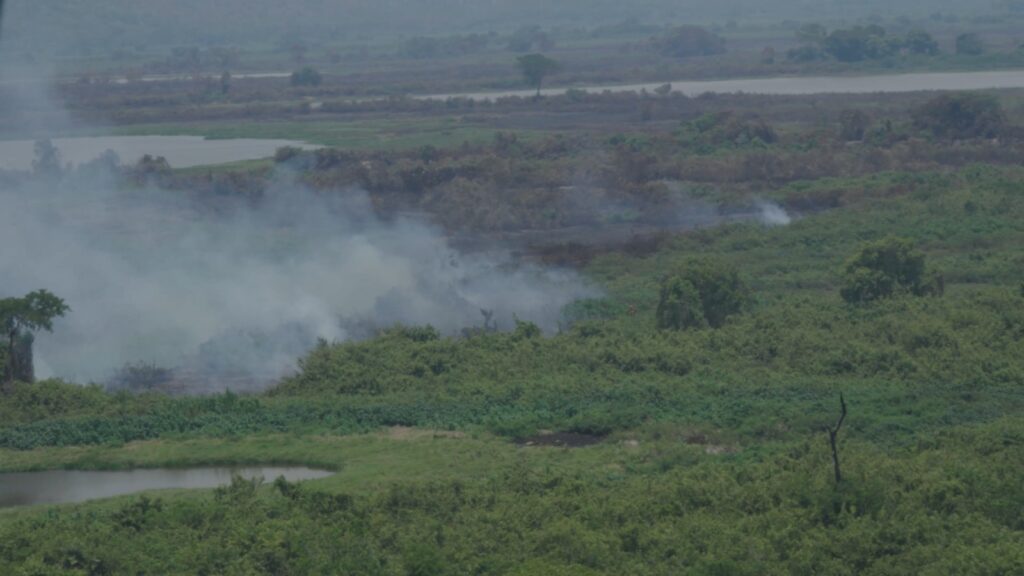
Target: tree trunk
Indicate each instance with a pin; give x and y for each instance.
(11, 360)
(832, 433)
(24, 364)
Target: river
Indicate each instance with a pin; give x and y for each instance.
(792, 85)
(65, 486)
(180, 151)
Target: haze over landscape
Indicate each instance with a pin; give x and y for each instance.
(557, 288)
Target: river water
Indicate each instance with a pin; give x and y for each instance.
(64, 486)
(180, 151)
(795, 85)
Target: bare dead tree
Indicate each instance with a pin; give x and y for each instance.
(489, 324)
(832, 433)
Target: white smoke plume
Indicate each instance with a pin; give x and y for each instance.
(155, 277)
(223, 287)
(771, 214)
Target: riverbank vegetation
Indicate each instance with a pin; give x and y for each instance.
(755, 266)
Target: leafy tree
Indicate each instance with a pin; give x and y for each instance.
(961, 116)
(19, 317)
(969, 44)
(860, 43)
(885, 268)
(702, 294)
(536, 67)
(687, 41)
(921, 42)
(47, 159)
(307, 76)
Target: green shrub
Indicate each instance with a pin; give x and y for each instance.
(970, 44)
(886, 268)
(703, 293)
(306, 77)
(961, 116)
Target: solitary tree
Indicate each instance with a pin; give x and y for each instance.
(47, 159)
(921, 42)
(225, 82)
(969, 44)
(306, 77)
(703, 293)
(536, 67)
(19, 318)
(886, 268)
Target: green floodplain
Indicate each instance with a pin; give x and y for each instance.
(837, 389)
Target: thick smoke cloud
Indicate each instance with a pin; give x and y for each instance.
(229, 293)
(242, 287)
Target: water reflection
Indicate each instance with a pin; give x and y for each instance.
(63, 486)
(180, 151)
(795, 85)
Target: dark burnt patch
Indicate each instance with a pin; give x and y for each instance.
(561, 440)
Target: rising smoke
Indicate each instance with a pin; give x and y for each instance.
(771, 214)
(162, 278)
(157, 277)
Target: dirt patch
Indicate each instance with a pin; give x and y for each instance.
(407, 433)
(698, 439)
(561, 440)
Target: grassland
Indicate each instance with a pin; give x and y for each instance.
(709, 453)
(713, 457)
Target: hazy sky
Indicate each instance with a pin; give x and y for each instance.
(98, 23)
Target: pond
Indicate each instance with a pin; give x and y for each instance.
(180, 151)
(65, 486)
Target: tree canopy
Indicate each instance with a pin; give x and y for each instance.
(701, 294)
(961, 116)
(22, 316)
(687, 41)
(885, 268)
(536, 67)
(306, 77)
(969, 44)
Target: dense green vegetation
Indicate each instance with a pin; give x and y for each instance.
(715, 458)
(680, 422)
(19, 319)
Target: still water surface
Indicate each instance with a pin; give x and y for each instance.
(798, 85)
(180, 151)
(63, 486)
